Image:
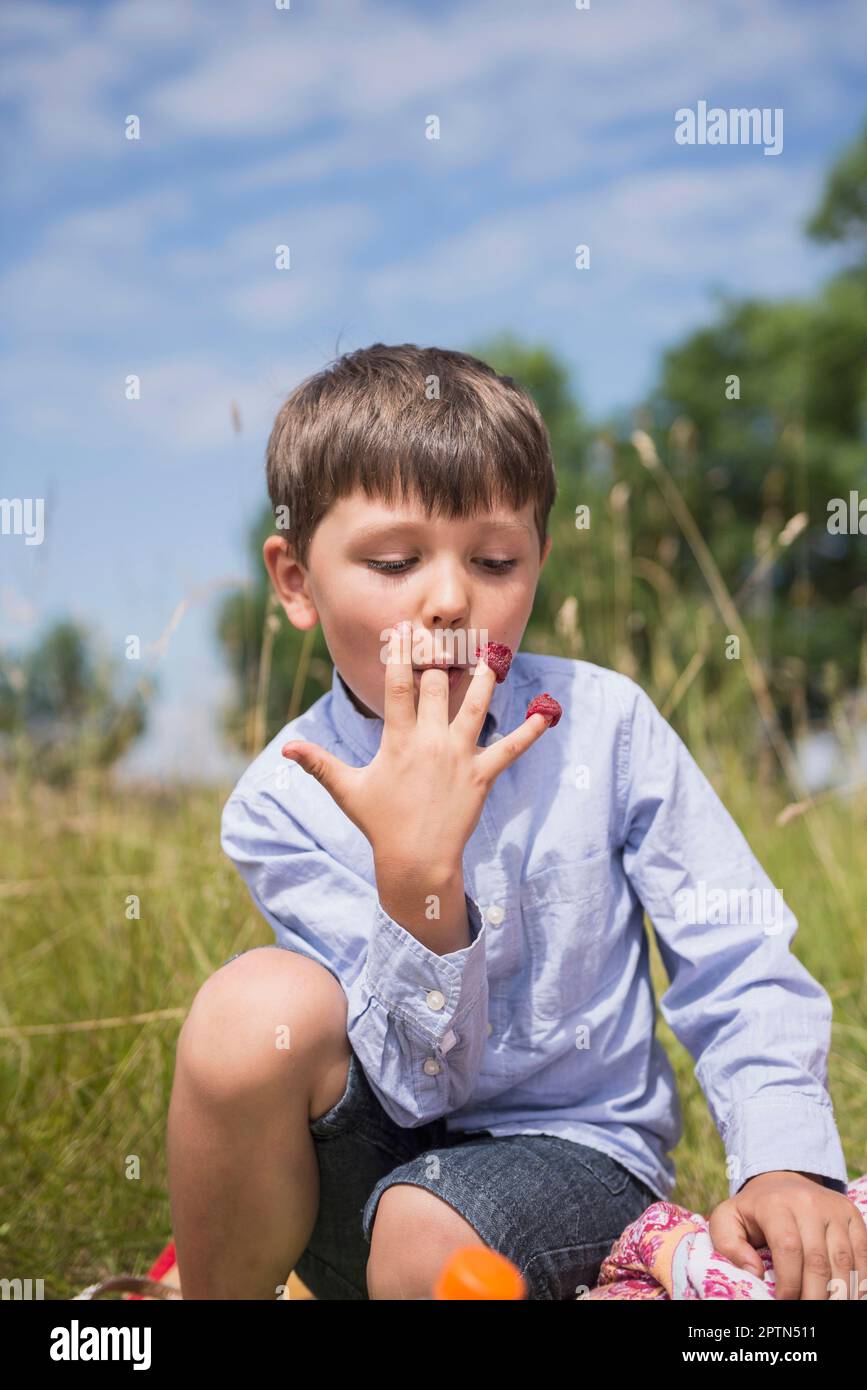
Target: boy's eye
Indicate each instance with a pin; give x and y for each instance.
(400, 566)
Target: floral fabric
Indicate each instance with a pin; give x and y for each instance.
(667, 1253)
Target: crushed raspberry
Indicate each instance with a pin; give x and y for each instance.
(545, 704)
(498, 656)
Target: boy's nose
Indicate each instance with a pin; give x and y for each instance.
(447, 595)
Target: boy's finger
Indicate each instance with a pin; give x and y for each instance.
(474, 706)
(508, 750)
(399, 707)
(318, 763)
(433, 700)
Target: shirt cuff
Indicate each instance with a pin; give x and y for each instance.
(770, 1133)
(427, 990)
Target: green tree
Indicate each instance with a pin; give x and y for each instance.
(842, 213)
(772, 397)
(59, 709)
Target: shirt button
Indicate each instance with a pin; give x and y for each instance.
(495, 915)
(432, 1067)
(435, 1000)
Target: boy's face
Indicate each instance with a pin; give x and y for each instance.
(451, 583)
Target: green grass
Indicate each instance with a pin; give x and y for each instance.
(84, 1190)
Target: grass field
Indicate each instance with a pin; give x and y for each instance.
(93, 998)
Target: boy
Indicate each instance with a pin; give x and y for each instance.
(452, 1042)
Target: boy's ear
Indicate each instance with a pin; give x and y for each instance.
(549, 541)
(290, 582)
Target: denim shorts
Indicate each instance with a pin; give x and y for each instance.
(554, 1207)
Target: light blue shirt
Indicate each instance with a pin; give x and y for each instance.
(544, 1023)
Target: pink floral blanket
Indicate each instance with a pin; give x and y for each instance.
(668, 1253)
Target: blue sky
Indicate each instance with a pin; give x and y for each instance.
(306, 127)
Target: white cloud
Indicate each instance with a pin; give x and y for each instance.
(160, 23)
(85, 273)
(185, 401)
(28, 21)
(684, 224)
(543, 98)
(245, 69)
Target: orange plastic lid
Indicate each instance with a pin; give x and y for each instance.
(477, 1272)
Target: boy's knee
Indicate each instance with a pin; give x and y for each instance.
(414, 1233)
(254, 1023)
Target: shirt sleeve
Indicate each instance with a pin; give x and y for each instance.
(417, 1021)
(756, 1023)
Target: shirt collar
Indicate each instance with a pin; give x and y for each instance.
(364, 734)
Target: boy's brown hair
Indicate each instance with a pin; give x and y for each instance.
(437, 426)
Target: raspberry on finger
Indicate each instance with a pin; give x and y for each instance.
(498, 656)
(546, 705)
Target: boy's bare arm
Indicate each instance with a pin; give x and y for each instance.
(430, 907)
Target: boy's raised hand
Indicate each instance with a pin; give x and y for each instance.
(421, 797)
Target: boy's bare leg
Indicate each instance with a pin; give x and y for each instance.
(243, 1176)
